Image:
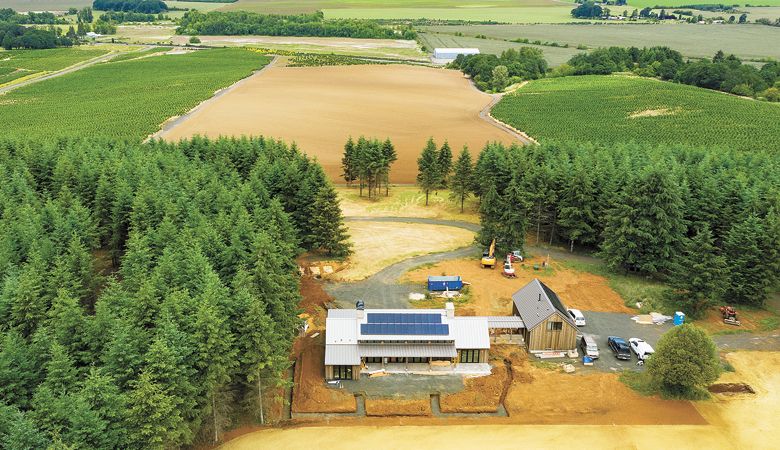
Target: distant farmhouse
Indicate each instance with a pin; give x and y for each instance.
(449, 54)
(435, 340)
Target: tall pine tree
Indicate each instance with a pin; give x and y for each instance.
(428, 173)
(462, 181)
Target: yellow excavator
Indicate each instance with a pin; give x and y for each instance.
(489, 256)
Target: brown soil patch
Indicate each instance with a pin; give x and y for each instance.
(377, 245)
(480, 394)
(491, 292)
(750, 320)
(310, 393)
(320, 107)
(654, 113)
(551, 397)
(398, 407)
(731, 388)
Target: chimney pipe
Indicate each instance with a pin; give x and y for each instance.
(450, 307)
(361, 309)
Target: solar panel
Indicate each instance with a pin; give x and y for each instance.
(404, 318)
(398, 329)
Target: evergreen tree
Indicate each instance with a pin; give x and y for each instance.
(491, 209)
(462, 181)
(749, 272)
(698, 276)
(153, 420)
(514, 218)
(327, 224)
(428, 169)
(445, 165)
(576, 216)
(645, 230)
(389, 157)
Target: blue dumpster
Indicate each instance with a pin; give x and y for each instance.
(451, 283)
(679, 318)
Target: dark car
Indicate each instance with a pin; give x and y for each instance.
(619, 347)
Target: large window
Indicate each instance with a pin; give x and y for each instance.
(417, 360)
(373, 359)
(554, 326)
(469, 356)
(342, 372)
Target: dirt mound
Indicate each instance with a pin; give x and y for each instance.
(480, 395)
(731, 388)
(398, 407)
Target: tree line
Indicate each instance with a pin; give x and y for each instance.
(495, 73)
(138, 6)
(148, 292)
(368, 162)
(29, 18)
(13, 35)
(705, 220)
(723, 73)
(311, 24)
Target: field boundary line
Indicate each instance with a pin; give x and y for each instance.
(487, 116)
(174, 121)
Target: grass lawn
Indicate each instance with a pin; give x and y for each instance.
(407, 201)
(619, 108)
(555, 56)
(123, 100)
(745, 41)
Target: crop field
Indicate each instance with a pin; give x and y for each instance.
(44, 5)
(667, 3)
(294, 6)
(135, 55)
(49, 59)
(620, 108)
(745, 41)
(125, 100)
(383, 48)
(555, 56)
(321, 107)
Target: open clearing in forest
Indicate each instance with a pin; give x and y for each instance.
(380, 244)
(490, 292)
(407, 201)
(321, 107)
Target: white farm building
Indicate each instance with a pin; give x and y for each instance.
(449, 54)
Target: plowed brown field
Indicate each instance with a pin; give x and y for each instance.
(320, 107)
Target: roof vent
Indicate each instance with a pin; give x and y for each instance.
(540, 297)
(360, 305)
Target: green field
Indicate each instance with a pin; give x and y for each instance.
(49, 59)
(44, 5)
(533, 14)
(135, 55)
(555, 56)
(611, 109)
(673, 3)
(127, 99)
(746, 41)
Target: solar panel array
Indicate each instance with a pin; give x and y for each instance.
(403, 318)
(419, 324)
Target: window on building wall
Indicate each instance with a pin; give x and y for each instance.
(554, 326)
(342, 372)
(417, 360)
(373, 359)
(469, 356)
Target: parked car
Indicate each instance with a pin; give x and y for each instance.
(619, 347)
(589, 347)
(579, 319)
(642, 349)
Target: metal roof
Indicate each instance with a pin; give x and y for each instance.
(513, 322)
(535, 302)
(443, 278)
(470, 332)
(407, 350)
(341, 355)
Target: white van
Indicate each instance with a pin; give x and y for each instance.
(576, 314)
(589, 347)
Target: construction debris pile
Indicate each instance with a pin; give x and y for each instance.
(653, 318)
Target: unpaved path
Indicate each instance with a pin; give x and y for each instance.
(48, 76)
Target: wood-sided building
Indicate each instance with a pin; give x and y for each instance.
(548, 326)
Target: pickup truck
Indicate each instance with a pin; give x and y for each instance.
(619, 347)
